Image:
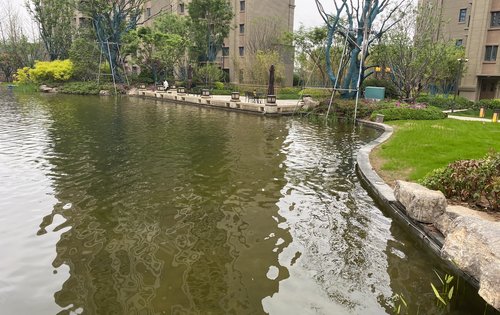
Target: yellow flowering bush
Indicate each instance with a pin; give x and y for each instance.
(46, 71)
(22, 76)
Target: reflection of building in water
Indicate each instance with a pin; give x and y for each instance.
(170, 208)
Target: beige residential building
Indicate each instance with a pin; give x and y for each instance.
(257, 25)
(475, 24)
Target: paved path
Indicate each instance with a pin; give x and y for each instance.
(242, 97)
(470, 118)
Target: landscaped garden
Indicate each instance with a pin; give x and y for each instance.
(419, 148)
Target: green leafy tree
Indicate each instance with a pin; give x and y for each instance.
(416, 57)
(209, 74)
(84, 53)
(259, 73)
(54, 20)
(310, 54)
(16, 50)
(111, 20)
(211, 24)
(159, 49)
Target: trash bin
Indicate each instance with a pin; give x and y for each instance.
(374, 93)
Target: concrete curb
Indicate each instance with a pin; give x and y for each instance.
(384, 196)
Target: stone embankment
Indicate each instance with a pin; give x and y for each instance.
(225, 102)
(469, 239)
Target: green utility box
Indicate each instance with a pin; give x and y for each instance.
(374, 93)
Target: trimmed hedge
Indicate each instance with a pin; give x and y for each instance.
(472, 181)
(488, 104)
(445, 103)
(409, 113)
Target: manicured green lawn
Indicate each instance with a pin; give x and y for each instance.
(418, 147)
(474, 113)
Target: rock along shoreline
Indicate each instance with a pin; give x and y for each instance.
(467, 240)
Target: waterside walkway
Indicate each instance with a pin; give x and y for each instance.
(281, 107)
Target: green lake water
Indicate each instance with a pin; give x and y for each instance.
(131, 206)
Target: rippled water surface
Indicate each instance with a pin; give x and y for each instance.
(137, 207)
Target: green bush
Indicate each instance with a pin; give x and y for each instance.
(390, 89)
(445, 103)
(218, 85)
(471, 181)
(317, 94)
(488, 104)
(410, 113)
(87, 88)
(221, 92)
(346, 108)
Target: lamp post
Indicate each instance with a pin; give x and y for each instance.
(461, 62)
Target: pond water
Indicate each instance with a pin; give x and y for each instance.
(138, 207)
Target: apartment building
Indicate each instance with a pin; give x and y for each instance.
(257, 24)
(475, 24)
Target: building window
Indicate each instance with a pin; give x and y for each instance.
(242, 51)
(148, 12)
(181, 8)
(242, 28)
(241, 75)
(225, 51)
(495, 19)
(242, 6)
(459, 42)
(491, 53)
(462, 15)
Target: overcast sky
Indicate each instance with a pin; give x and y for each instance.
(305, 11)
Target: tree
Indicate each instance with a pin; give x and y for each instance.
(209, 73)
(111, 20)
(416, 57)
(211, 24)
(365, 22)
(159, 49)
(260, 67)
(54, 19)
(16, 51)
(310, 54)
(84, 53)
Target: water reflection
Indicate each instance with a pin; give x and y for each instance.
(168, 211)
(158, 209)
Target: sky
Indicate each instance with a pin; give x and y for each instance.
(306, 12)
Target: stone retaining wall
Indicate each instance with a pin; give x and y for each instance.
(258, 108)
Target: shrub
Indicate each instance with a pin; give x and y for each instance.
(488, 104)
(445, 103)
(471, 181)
(221, 92)
(390, 89)
(410, 113)
(51, 71)
(218, 85)
(87, 88)
(345, 108)
(318, 94)
(22, 76)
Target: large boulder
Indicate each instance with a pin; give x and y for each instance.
(309, 103)
(444, 222)
(422, 204)
(473, 244)
(47, 89)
